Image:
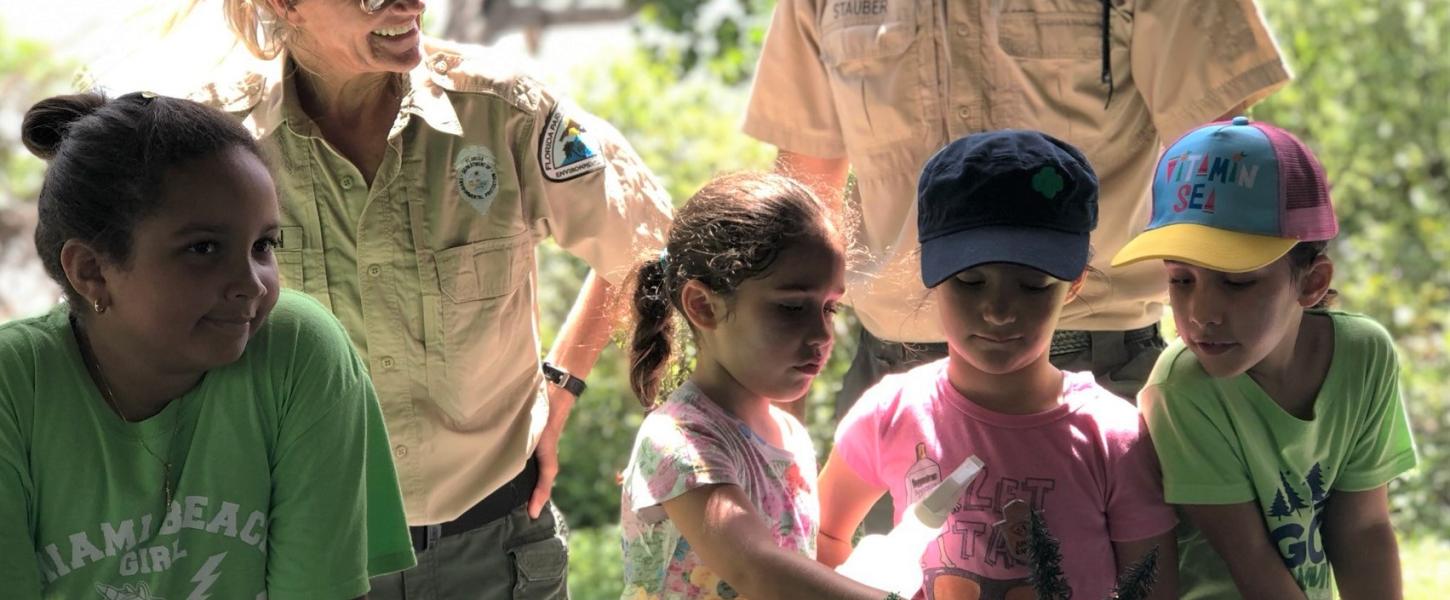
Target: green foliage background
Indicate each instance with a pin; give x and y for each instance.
(1371, 97)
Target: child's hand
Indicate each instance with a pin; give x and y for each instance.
(732, 539)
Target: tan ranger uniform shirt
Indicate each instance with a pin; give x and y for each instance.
(886, 83)
(432, 269)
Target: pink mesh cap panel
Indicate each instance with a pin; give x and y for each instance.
(1305, 211)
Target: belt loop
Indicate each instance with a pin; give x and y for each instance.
(434, 533)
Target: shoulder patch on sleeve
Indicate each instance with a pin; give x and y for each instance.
(566, 149)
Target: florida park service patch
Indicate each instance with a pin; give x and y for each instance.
(566, 149)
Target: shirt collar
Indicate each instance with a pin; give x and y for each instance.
(279, 107)
(430, 101)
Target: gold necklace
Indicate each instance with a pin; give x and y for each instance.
(106, 394)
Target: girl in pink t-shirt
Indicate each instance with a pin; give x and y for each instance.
(719, 495)
(1004, 219)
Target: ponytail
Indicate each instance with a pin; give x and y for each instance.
(650, 347)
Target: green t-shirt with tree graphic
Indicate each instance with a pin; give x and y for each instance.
(283, 485)
(1224, 441)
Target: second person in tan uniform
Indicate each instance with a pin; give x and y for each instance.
(416, 179)
(877, 86)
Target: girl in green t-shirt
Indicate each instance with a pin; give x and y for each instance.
(1278, 423)
(179, 428)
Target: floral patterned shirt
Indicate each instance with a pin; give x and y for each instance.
(688, 442)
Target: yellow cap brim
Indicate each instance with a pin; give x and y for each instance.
(1204, 246)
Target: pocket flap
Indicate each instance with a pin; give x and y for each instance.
(856, 47)
(486, 269)
(544, 560)
(1051, 35)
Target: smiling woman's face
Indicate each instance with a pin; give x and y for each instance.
(337, 37)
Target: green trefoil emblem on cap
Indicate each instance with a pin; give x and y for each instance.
(1047, 182)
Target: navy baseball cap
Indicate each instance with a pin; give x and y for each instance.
(1009, 196)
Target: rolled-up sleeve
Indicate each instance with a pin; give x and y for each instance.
(1195, 61)
(791, 105)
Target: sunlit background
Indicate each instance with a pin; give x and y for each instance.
(1371, 96)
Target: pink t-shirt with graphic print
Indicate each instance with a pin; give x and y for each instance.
(1086, 465)
(690, 442)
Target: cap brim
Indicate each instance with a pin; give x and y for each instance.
(1060, 254)
(1204, 246)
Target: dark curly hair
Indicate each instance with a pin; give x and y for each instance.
(730, 231)
(107, 159)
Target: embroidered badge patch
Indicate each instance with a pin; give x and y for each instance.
(1047, 182)
(477, 173)
(566, 149)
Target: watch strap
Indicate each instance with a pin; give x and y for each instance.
(564, 379)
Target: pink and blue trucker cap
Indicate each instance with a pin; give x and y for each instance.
(1234, 196)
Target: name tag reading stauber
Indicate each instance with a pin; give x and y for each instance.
(853, 8)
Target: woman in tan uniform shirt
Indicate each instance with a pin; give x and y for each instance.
(416, 179)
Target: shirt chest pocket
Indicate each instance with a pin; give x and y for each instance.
(878, 78)
(486, 312)
(1057, 54)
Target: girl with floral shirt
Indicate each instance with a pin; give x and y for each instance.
(719, 498)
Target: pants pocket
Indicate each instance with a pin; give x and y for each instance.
(540, 569)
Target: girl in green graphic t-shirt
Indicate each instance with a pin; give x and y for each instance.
(178, 428)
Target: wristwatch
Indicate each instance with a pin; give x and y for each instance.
(563, 379)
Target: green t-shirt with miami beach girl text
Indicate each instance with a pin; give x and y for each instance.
(284, 487)
(1224, 441)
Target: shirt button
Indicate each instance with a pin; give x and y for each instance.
(440, 66)
(962, 31)
(963, 113)
(400, 450)
(346, 182)
(387, 362)
(375, 270)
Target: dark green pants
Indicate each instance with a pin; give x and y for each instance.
(514, 557)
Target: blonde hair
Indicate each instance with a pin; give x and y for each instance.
(257, 27)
